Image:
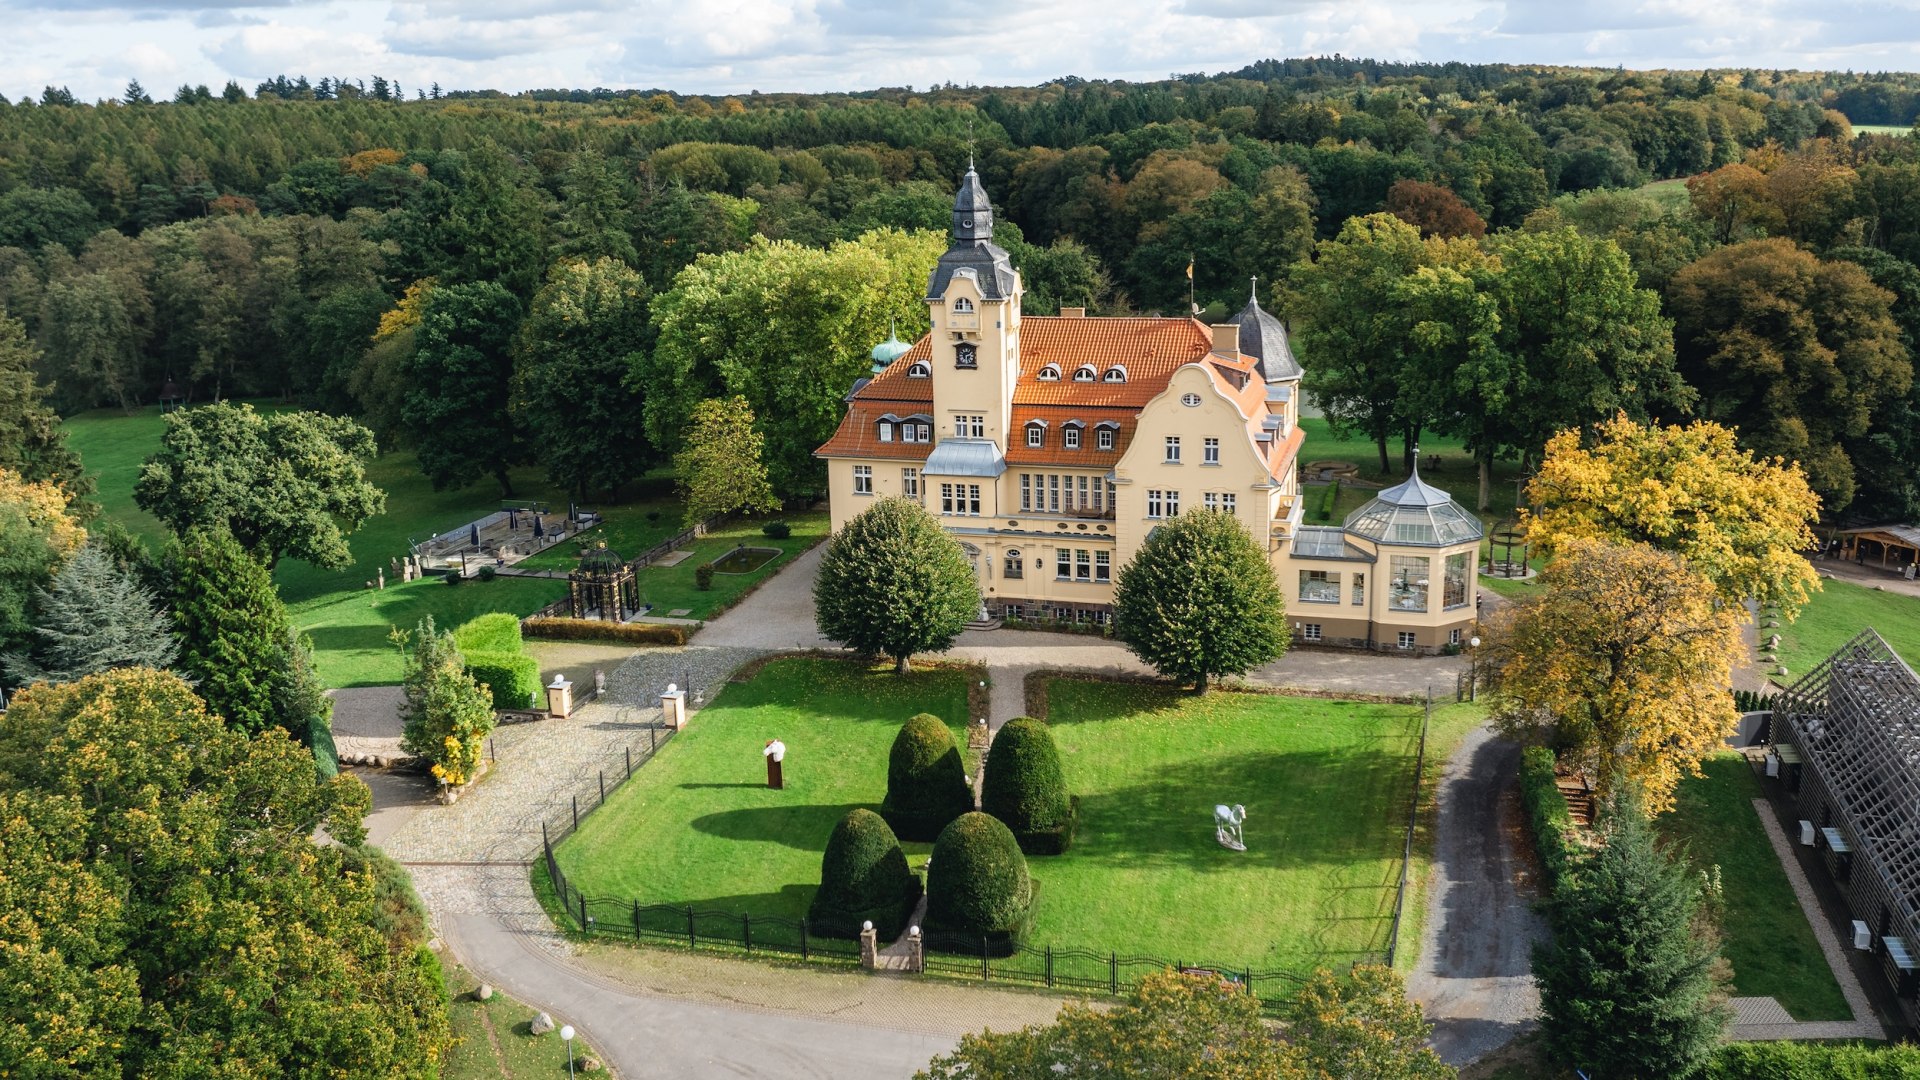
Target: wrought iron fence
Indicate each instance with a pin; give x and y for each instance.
(1406, 849)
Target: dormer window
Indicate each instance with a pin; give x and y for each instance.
(1070, 436)
(966, 356)
(1050, 373)
(886, 432)
(963, 306)
(1084, 373)
(919, 370)
(1116, 373)
(1037, 433)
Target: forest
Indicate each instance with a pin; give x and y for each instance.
(557, 277)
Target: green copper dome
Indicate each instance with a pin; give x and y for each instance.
(888, 351)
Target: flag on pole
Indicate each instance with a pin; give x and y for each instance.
(1189, 269)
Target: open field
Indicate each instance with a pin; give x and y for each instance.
(1325, 784)
(1842, 610)
(1768, 940)
(1883, 129)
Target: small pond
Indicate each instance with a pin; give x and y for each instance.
(745, 560)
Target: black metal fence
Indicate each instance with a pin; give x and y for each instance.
(1413, 817)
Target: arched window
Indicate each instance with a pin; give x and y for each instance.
(1116, 373)
(1015, 565)
(966, 355)
(1050, 373)
(919, 371)
(1084, 373)
(963, 306)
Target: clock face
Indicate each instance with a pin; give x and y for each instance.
(967, 222)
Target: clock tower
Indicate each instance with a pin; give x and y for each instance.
(973, 300)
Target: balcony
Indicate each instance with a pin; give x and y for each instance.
(963, 322)
(1087, 514)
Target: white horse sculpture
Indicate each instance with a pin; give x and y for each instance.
(1226, 826)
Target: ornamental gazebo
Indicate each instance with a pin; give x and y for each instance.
(602, 586)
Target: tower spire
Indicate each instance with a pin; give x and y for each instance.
(1253, 295)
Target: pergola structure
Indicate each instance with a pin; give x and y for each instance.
(602, 587)
(1845, 741)
(1895, 545)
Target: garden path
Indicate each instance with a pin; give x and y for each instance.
(1474, 978)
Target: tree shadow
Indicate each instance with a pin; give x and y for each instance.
(804, 827)
(741, 784)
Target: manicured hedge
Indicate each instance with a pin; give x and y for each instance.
(1547, 813)
(977, 883)
(495, 632)
(563, 629)
(1813, 1061)
(926, 780)
(863, 878)
(1026, 788)
(326, 757)
(514, 679)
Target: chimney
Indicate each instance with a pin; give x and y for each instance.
(1226, 338)
(1073, 313)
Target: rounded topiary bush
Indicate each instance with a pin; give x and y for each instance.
(863, 877)
(977, 886)
(1026, 788)
(926, 780)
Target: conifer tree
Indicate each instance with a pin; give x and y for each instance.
(447, 714)
(232, 629)
(94, 618)
(32, 442)
(1627, 984)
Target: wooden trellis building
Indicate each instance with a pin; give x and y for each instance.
(1845, 743)
(602, 586)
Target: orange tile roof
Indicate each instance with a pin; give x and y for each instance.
(858, 435)
(1055, 451)
(1149, 349)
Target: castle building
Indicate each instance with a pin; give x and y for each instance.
(1050, 446)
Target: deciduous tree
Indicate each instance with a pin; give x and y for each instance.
(893, 583)
(291, 484)
(166, 901)
(720, 466)
(458, 376)
(37, 535)
(1433, 210)
(1738, 521)
(32, 442)
(1795, 351)
(447, 713)
(1198, 601)
(1627, 980)
(1362, 1025)
(1626, 656)
(587, 328)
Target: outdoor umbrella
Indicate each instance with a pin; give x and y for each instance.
(473, 535)
(538, 532)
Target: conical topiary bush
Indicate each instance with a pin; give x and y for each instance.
(978, 892)
(863, 877)
(926, 780)
(1026, 788)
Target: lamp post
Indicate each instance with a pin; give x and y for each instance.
(1473, 668)
(566, 1036)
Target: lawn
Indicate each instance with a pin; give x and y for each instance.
(698, 824)
(1882, 129)
(1840, 611)
(349, 628)
(1325, 784)
(671, 588)
(1768, 941)
(1455, 473)
(492, 1040)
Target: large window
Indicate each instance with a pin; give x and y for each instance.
(1063, 563)
(1210, 451)
(970, 426)
(1156, 503)
(1082, 565)
(1015, 565)
(1103, 566)
(863, 479)
(1173, 449)
(1319, 587)
(910, 483)
(1407, 585)
(960, 499)
(1454, 585)
(1026, 491)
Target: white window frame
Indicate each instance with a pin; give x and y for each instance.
(919, 370)
(1103, 439)
(962, 306)
(1156, 503)
(1229, 503)
(1173, 504)
(863, 479)
(1049, 373)
(1070, 438)
(1210, 451)
(1115, 373)
(1063, 564)
(1408, 639)
(1173, 450)
(1103, 566)
(1310, 631)
(886, 432)
(1036, 435)
(910, 483)
(1084, 373)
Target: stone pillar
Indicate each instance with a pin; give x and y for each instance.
(673, 707)
(916, 950)
(559, 698)
(869, 947)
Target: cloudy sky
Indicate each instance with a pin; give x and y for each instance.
(728, 46)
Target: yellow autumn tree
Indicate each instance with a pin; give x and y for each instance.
(1626, 656)
(1738, 521)
(37, 534)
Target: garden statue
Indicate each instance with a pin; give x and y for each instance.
(1226, 826)
(775, 753)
